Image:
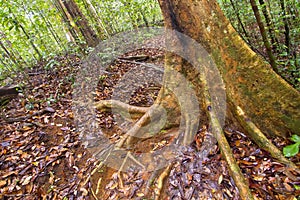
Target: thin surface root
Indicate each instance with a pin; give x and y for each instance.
(133, 132)
(161, 180)
(134, 111)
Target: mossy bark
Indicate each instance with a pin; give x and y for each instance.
(271, 105)
(270, 102)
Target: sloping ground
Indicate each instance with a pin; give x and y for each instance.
(41, 156)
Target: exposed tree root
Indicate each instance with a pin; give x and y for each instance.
(134, 111)
(233, 167)
(134, 131)
(161, 181)
(7, 93)
(225, 148)
(145, 115)
(152, 178)
(261, 140)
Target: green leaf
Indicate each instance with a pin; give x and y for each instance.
(295, 138)
(291, 150)
(297, 187)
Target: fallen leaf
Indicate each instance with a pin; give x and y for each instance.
(25, 180)
(49, 109)
(220, 179)
(84, 191)
(2, 183)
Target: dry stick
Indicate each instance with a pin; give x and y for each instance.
(142, 63)
(98, 166)
(94, 195)
(135, 58)
(23, 118)
(260, 139)
(98, 186)
(225, 148)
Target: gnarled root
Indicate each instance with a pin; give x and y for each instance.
(225, 148)
(153, 114)
(161, 181)
(134, 111)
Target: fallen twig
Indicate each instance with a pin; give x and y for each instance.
(23, 118)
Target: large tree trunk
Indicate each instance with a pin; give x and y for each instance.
(258, 97)
(262, 101)
(251, 84)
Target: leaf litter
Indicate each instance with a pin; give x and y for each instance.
(41, 156)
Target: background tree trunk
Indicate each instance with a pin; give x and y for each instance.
(286, 26)
(74, 31)
(102, 32)
(88, 33)
(264, 35)
(240, 22)
(270, 26)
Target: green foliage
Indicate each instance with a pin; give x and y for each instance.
(293, 149)
(51, 63)
(287, 56)
(25, 24)
(34, 29)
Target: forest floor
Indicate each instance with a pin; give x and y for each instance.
(42, 157)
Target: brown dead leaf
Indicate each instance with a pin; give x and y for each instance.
(258, 178)
(2, 183)
(25, 180)
(9, 173)
(26, 128)
(288, 187)
(49, 109)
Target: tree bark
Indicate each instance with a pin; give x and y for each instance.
(270, 26)
(267, 99)
(102, 32)
(258, 97)
(73, 31)
(286, 26)
(87, 32)
(263, 102)
(264, 36)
